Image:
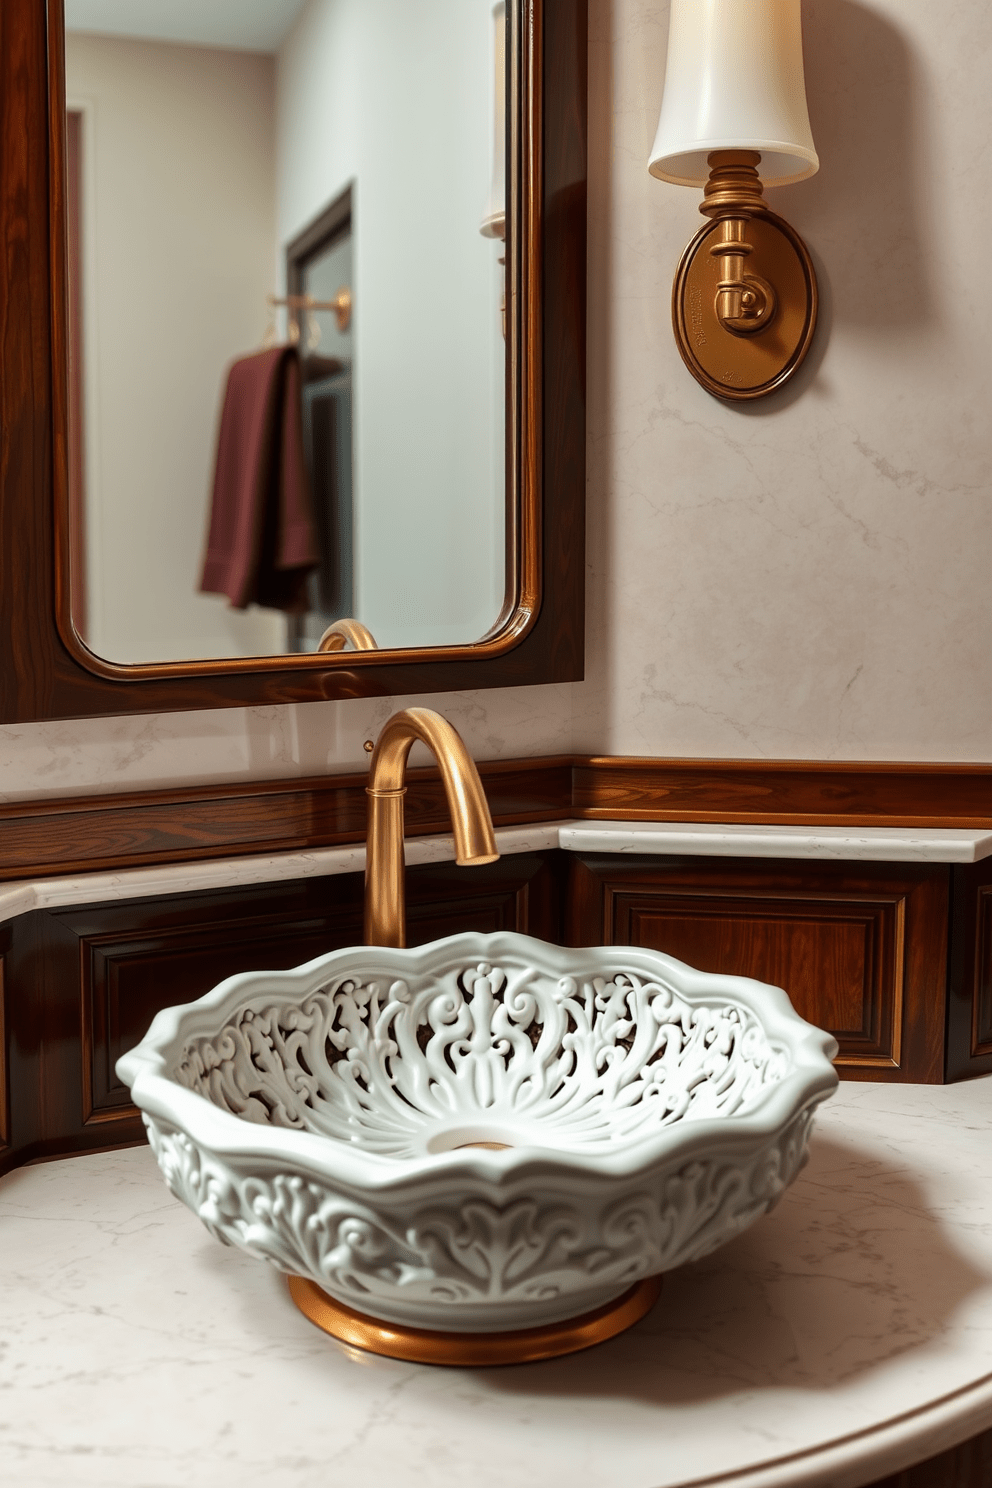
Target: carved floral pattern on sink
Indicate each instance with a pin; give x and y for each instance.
(387, 1068)
(327, 1120)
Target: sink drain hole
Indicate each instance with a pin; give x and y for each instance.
(486, 1135)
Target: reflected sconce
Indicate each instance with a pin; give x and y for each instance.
(494, 222)
(733, 121)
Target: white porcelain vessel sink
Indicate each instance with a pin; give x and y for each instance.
(486, 1133)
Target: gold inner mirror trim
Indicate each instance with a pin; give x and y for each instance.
(425, 1346)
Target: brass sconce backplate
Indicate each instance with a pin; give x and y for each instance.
(751, 363)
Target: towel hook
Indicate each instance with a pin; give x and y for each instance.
(342, 306)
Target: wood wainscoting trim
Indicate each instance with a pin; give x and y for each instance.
(783, 792)
(133, 830)
(83, 834)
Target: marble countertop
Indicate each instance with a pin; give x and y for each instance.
(715, 839)
(701, 839)
(844, 1336)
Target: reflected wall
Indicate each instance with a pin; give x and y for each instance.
(396, 100)
(178, 231)
(199, 166)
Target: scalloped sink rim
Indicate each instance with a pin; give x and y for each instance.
(145, 1067)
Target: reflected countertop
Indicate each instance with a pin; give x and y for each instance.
(844, 1336)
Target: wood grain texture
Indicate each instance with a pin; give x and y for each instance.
(138, 828)
(966, 1466)
(981, 1018)
(124, 831)
(45, 672)
(861, 949)
(4, 1100)
(969, 993)
(841, 960)
(801, 792)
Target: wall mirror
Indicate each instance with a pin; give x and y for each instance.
(308, 276)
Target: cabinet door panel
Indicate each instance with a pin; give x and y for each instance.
(862, 953)
(84, 984)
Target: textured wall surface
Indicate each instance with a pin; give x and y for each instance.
(807, 578)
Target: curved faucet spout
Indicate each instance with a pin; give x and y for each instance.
(385, 911)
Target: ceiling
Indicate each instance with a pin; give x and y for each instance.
(247, 25)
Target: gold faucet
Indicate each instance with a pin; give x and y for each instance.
(385, 911)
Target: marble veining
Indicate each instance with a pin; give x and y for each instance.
(847, 1334)
(154, 751)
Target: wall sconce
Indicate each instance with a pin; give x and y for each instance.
(734, 120)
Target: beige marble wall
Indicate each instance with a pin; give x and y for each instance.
(126, 754)
(807, 578)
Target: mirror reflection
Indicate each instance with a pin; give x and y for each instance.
(287, 360)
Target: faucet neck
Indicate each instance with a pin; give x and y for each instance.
(385, 899)
(385, 914)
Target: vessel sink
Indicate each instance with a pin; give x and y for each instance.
(482, 1134)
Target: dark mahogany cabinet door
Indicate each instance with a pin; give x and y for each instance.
(966, 1466)
(969, 1010)
(861, 948)
(82, 985)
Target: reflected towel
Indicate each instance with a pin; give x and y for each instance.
(261, 545)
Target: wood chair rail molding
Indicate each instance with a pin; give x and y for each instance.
(89, 833)
(784, 792)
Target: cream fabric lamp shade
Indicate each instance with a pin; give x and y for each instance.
(734, 81)
(494, 222)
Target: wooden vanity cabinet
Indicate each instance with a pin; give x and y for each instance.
(861, 948)
(966, 1466)
(894, 959)
(81, 985)
(969, 982)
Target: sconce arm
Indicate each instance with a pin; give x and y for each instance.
(745, 303)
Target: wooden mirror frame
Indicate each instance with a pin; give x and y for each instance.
(46, 671)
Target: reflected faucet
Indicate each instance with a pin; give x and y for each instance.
(385, 909)
(338, 634)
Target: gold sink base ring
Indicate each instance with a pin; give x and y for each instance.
(425, 1346)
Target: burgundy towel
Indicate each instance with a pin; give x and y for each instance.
(261, 544)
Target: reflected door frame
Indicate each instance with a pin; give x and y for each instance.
(333, 225)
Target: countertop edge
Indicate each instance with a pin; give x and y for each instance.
(872, 844)
(860, 1459)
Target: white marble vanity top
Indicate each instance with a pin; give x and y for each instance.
(846, 1335)
(714, 839)
(706, 839)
